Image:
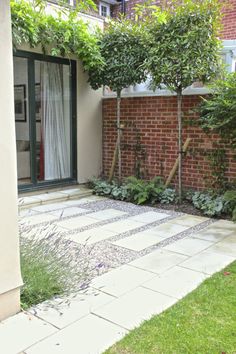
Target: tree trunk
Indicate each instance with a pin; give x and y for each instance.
(179, 100)
(118, 99)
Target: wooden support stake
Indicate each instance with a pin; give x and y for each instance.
(174, 168)
(115, 157)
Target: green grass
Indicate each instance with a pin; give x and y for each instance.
(204, 322)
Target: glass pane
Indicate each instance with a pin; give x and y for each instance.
(52, 91)
(22, 120)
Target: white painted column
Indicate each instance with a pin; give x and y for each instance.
(10, 277)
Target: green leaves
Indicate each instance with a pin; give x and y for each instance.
(185, 48)
(209, 204)
(218, 113)
(57, 35)
(123, 51)
(136, 190)
(230, 198)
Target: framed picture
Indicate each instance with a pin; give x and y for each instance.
(38, 102)
(20, 103)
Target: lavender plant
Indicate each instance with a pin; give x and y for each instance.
(50, 264)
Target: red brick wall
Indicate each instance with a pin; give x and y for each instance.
(229, 20)
(129, 7)
(151, 131)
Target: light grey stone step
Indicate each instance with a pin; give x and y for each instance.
(53, 197)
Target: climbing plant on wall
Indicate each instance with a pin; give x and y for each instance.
(60, 34)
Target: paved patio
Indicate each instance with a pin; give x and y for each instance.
(142, 261)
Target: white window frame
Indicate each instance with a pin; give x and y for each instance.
(229, 51)
(107, 6)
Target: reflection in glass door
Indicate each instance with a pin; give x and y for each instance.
(45, 130)
(22, 125)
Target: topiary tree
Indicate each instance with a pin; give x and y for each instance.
(184, 48)
(123, 51)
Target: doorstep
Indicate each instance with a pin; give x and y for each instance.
(52, 196)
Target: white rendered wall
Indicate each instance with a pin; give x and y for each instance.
(89, 128)
(10, 278)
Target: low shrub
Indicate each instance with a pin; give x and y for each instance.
(48, 265)
(210, 205)
(230, 198)
(140, 192)
(102, 187)
(168, 196)
(136, 190)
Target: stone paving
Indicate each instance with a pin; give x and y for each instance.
(148, 259)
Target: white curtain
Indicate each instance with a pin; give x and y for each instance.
(55, 144)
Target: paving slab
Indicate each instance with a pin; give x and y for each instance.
(65, 212)
(90, 335)
(38, 219)
(43, 208)
(188, 220)
(52, 196)
(131, 309)
(123, 225)
(76, 222)
(226, 246)
(226, 224)
(121, 280)
(176, 282)
(71, 191)
(214, 233)
(90, 237)
(139, 241)
(22, 330)
(83, 200)
(26, 212)
(107, 214)
(158, 261)
(168, 229)
(89, 219)
(188, 246)
(62, 312)
(26, 202)
(207, 262)
(148, 217)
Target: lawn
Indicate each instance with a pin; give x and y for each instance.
(204, 322)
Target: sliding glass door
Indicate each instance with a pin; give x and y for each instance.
(45, 91)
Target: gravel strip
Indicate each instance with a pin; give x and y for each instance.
(112, 256)
(129, 208)
(103, 256)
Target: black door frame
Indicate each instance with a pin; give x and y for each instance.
(35, 184)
